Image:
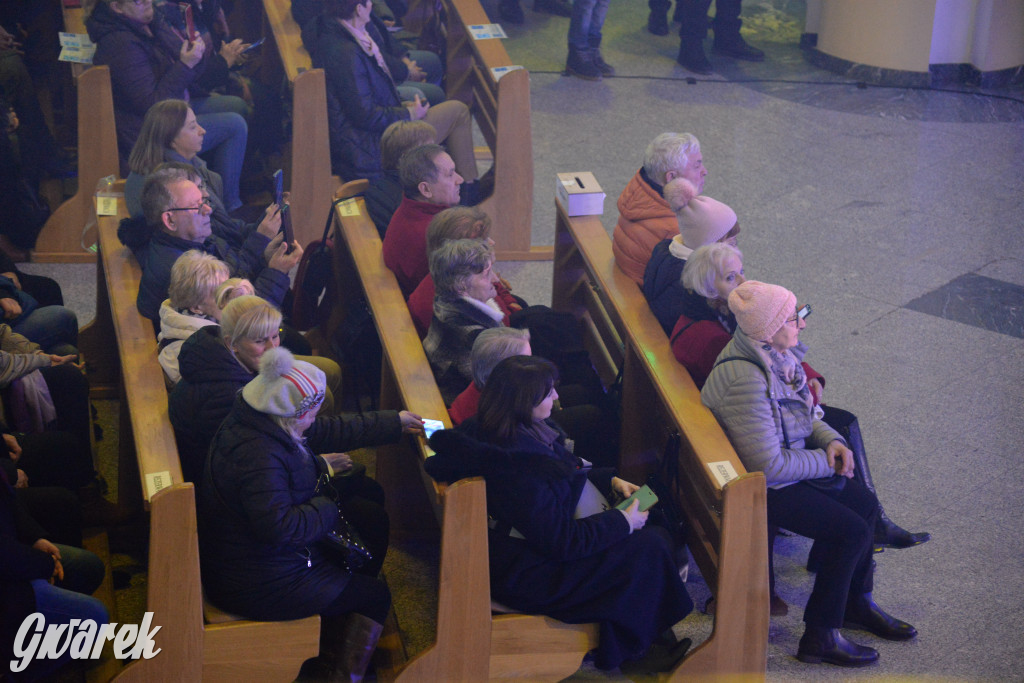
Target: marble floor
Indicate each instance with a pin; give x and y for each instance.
(899, 215)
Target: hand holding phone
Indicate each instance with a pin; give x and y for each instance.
(431, 426)
(645, 495)
(253, 46)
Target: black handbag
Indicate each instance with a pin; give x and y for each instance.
(343, 542)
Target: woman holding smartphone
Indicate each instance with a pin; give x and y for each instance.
(556, 546)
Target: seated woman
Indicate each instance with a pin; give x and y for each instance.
(457, 223)
(464, 305)
(195, 278)
(702, 220)
(547, 554)
(362, 100)
(705, 327)
(150, 62)
(267, 504)
(385, 191)
(171, 133)
(217, 361)
(759, 393)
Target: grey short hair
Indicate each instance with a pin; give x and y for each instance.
(417, 165)
(156, 198)
(195, 277)
(492, 346)
(704, 264)
(456, 260)
(668, 152)
(400, 137)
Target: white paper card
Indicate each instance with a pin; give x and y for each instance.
(157, 481)
(75, 40)
(106, 206)
(499, 71)
(723, 472)
(486, 31)
(349, 207)
(79, 55)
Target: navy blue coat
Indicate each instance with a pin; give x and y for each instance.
(260, 516)
(575, 570)
(361, 97)
(665, 294)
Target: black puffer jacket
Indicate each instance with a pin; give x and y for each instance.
(210, 378)
(260, 517)
(361, 97)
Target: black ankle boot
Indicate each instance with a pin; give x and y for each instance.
(580, 63)
(659, 658)
(692, 57)
(657, 22)
(888, 534)
(828, 645)
(862, 613)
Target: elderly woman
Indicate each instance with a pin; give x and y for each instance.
(267, 504)
(362, 100)
(171, 133)
(705, 327)
(217, 361)
(702, 220)
(195, 278)
(149, 61)
(556, 546)
(759, 393)
(464, 305)
(457, 223)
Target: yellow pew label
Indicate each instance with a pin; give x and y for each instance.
(157, 481)
(722, 471)
(349, 207)
(106, 206)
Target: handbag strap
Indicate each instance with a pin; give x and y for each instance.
(782, 418)
(330, 217)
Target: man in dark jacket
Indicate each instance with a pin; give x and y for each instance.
(179, 216)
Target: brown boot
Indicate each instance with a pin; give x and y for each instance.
(346, 645)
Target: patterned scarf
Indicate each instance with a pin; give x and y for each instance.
(368, 45)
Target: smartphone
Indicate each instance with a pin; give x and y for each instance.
(278, 186)
(190, 23)
(255, 45)
(804, 311)
(646, 497)
(286, 228)
(431, 426)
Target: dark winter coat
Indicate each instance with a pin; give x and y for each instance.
(361, 97)
(143, 69)
(449, 342)
(199, 402)
(164, 249)
(575, 570)
(260, 517)
(382, 198)
(665, 294)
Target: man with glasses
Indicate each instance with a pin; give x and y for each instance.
(179, 216)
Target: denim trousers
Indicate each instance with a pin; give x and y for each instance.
(223, 118)
(54, 328)
(586, 23)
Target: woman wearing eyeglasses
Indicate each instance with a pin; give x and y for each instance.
(759, 393)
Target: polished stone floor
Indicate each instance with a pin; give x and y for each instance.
(899, 215)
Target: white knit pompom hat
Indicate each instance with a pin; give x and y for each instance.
(285, 387)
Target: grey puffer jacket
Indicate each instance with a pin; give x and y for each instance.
(751, 403)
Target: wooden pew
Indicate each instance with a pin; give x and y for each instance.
(62, 236)
(219, 647)
(471, 643)
(729, 537)
(501, 109)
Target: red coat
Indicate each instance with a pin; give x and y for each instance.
(421, 304)
(645, 219)
(405, 242)
(465, 404)
(698, 345)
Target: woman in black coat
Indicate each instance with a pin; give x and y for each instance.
(266, 506)
(549, 555)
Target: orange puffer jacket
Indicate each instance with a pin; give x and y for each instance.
(645, 219)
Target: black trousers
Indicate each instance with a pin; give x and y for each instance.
(842, 524)
(693, 17)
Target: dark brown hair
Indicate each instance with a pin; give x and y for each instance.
(516, 386)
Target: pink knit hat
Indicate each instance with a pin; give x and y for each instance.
(761, 309)
(702, 220)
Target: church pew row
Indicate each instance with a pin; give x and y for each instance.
(471, 643)
(197, 641)
(500, 106)
(728, 522)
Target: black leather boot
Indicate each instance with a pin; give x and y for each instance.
(828, 645)
(887, 533)
(347, 645)
(659, 658)
(657, 22)
(692, 57)
(580, 63)
(606, 69)
(862, 613)
(737, 48)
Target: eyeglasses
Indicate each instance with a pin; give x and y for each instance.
(205, 202)
(801, 314)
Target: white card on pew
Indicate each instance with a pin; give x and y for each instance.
(723, 471)
(499, 71)
(75, 40)
(106, 206)
(79, 55)
(486, 31)
(349, 207)
(157, 481)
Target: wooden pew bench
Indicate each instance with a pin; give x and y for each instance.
(221, 647)
(728, 522)
(471, 643)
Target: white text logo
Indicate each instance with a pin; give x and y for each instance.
(81, 639)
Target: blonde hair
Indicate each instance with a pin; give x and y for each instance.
(248, 317)
(231, 289)
(194, 278)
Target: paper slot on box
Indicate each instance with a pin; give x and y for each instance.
(579, 194)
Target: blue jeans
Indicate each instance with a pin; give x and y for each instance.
(586, 23)
(54, 328)
(83, 573)
(223, 117)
